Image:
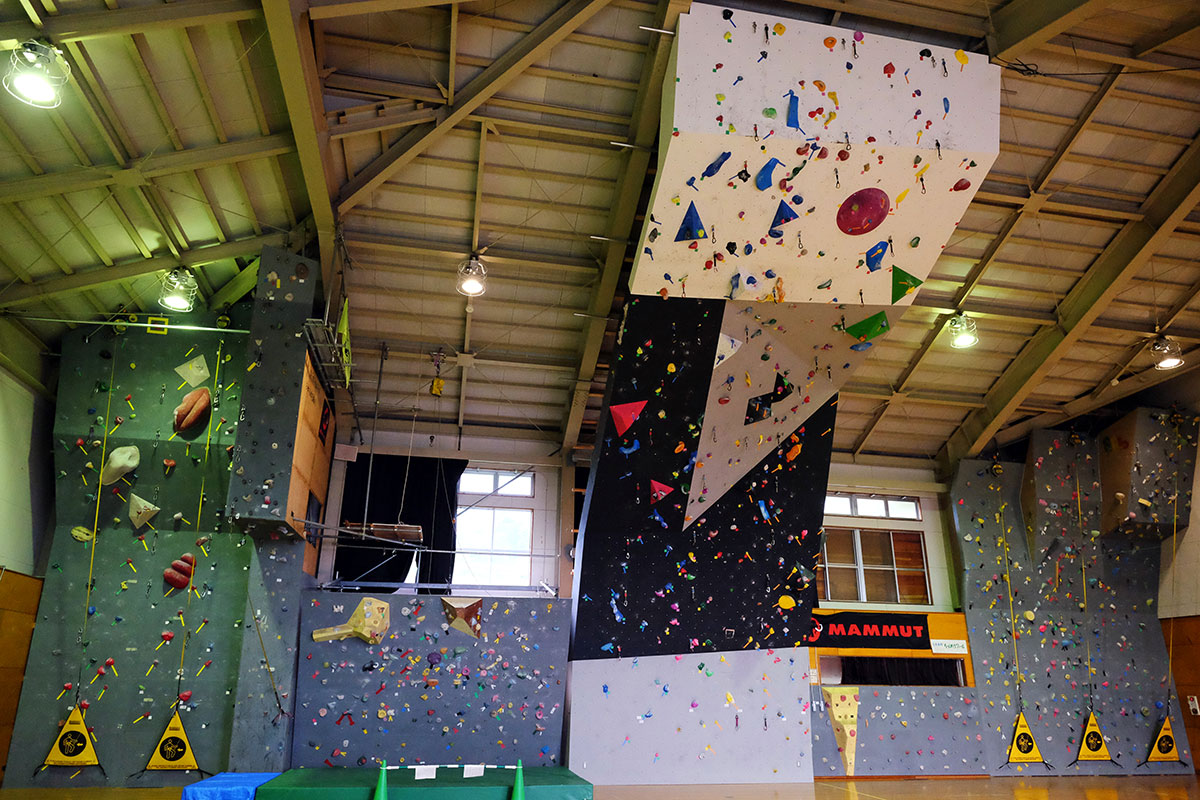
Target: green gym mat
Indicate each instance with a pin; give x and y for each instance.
(358, 783)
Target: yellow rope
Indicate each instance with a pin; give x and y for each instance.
(1174, 596)
(87, 603)
(1083, 571)
(1012, 617)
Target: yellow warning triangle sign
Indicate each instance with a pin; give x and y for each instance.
(1093, 747)
(1024, 749)
(173, 751)
(1164, 748)
(73, 747)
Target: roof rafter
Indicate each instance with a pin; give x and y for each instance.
(329, 9)
(1176, 31)
(503, 70)
(97, 24)
(1170, 202)
(1022, 25)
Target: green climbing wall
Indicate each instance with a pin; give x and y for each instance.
(110, 375)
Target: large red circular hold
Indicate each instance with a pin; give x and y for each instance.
(863, 211)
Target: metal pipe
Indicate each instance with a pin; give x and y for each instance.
(341, 584)
(114, 323)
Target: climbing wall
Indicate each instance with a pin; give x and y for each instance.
(260, 486)
(119, 390)
(1058, 631)
(900, 730)
(1147, 459)
(480, 684)
(735, 577)
(737, 717)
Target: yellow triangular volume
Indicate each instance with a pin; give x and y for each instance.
(73, 747)
(1164, 748)
(1024, 749)
(173, 751)
(1093, 747)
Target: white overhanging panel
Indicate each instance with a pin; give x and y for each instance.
(819, 172)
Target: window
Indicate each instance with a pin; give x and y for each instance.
(872, 505)
(873, 566)
(496, 528)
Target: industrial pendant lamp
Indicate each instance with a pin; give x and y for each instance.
(962, 332)
(472, 277)
(1167, 353)
(178, 292)
(36, 75)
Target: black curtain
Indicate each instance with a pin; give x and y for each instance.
(425, 494)
(875, 671)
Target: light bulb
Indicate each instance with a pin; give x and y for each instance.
(471, 286)
(175, 302)
(34, 87)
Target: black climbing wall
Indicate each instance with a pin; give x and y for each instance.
(262, 455)
(131, 607)
(429, 693)
(1057, 632)
(728, 581)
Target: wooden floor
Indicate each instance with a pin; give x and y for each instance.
(1138, 787)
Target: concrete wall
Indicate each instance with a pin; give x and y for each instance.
(24, 456)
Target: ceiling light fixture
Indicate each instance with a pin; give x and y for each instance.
(1167, 353)
(36, 75)
(472, 277)
(178, 291)
(963, 333)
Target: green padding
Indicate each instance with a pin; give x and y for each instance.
(350, 783)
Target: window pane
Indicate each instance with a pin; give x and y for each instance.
(871, 506)
(474, 529)
(472, 570)
(913, 587)
(909, 553)
(512, 485)
(837, 504)
(513, 531)
(510, 570)
(843, 583)
(904, 509)
(876, 548)
(880, 584)
(820, 581)
(839, 546)
(477, 482)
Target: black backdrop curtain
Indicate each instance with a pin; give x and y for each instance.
(872, 671)
(430, 500)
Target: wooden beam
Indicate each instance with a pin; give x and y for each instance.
(1023, 25)
(499, 74)
(292, 45)
(330, 9)
(235, 288)
(1176, 31)
(86, 279)
(87, 25)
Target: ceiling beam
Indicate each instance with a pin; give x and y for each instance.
(1023, 25)
(236, 287)
(291, 42)
(449, 252)
(123, 270)
(647, 110)
(532, 47)
(139, 173)
(1178, 30)
(123, 21)
(330, 9)
(1170, 202)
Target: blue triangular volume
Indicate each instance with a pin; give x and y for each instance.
(691, 228)
(783, 214)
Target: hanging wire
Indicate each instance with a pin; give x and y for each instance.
(1012, 619)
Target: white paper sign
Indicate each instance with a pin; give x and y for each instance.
(425, 773)
(472, 770)
(955, 646)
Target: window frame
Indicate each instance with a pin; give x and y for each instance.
(861, 568)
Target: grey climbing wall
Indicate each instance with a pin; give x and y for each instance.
(430, 693)
(1057, 633)
(262, 455)
(1148, 459)
(131, 607)
(904, 730)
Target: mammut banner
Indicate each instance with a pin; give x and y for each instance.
(868, 629)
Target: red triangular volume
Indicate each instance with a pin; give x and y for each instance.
(626, 414)
(659, 490)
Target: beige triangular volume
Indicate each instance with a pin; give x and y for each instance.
(1093, 747)
(1164, 748)
(842, 705)
(73, 747)
(1024, 749)
(173, 751)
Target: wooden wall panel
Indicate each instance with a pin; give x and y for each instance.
(1185, 664)
(19, 595)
